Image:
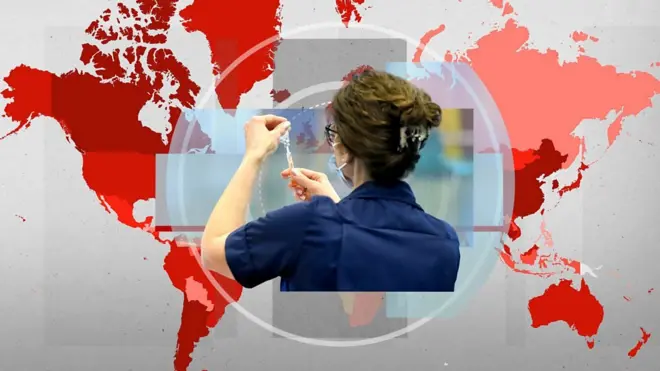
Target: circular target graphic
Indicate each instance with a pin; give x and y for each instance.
(450, 85)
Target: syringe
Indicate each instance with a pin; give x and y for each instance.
(286, 141)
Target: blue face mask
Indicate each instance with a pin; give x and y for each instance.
(332, 163)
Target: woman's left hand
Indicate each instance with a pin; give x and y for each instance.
(262, 135)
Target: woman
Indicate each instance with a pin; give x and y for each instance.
(375, 239)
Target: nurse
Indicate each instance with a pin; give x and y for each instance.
(375, 239)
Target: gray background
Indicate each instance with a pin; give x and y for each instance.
(77, 294)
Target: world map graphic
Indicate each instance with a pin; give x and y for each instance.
(128, 67)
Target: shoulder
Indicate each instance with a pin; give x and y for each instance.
(303, 211)
(296, 212)
(445, 229)
(322, 205)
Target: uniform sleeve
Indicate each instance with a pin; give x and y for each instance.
(269, 246)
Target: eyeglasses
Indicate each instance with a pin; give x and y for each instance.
(330, 134)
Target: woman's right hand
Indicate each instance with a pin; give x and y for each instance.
(307, 183)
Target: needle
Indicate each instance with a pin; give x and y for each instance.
(289, 157)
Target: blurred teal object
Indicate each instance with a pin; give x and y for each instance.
(460, 167)
(432, 162)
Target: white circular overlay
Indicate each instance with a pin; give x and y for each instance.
(482, 256)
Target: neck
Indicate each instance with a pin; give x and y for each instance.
(360, 175)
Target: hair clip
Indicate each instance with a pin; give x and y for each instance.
(416, 134)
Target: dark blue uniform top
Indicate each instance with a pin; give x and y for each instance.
(375, 239)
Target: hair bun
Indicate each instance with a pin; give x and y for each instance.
(417, 119)
(384, 121)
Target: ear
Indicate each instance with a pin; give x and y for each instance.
(344, 154)
(347, 156)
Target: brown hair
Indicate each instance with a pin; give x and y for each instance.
(370, 113)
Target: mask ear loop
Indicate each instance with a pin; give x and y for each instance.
(345, 163)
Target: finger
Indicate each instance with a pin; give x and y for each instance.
(296, 193)
(300, 196)
(309, 173)
(297, 188)
(289, 173)
(301, 170)
(271, 121)
(300, 179)
(281, 129)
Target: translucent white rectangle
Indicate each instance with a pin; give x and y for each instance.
(188, 186)
(476, 265)
(488, 189)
